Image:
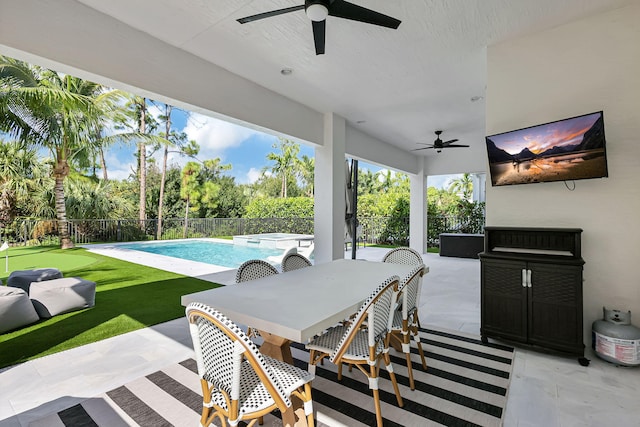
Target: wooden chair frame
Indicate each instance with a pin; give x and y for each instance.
(401, 332)
(371, 366)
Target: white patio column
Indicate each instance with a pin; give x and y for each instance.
(329, 184)
(479, 183)
(418, 212)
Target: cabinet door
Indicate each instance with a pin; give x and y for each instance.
(555, 306)
(503, 299)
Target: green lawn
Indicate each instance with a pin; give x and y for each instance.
(128, 297)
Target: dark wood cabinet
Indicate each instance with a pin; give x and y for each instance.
(531, 287)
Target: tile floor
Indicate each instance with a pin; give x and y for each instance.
(546, 390)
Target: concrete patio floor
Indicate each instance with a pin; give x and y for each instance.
(546, 389)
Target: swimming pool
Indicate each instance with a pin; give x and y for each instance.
(222, 254)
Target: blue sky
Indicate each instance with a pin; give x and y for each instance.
(245, 149)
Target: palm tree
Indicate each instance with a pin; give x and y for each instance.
(307, 173)
(386, 180)
(189, 189)
(55, 111)
(285, 163)
(463, 184)
(170, 138)
(367, 182)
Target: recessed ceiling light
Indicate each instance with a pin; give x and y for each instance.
(476, 98)
(286, 71)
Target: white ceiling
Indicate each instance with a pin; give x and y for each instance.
(403, 84)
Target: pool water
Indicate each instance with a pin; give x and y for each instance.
(222, 254)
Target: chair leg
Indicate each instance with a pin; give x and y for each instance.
(406, 348)
(308, 405)
(392, 375)
(416, 337)
(373, 385)
(206, 417)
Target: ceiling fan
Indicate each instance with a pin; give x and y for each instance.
(318, 10)
(439, 144)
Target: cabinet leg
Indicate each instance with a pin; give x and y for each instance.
(583, 361)
(484, 339)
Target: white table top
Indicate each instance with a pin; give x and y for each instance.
(302, 303)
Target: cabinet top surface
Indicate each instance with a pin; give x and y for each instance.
(542, 229)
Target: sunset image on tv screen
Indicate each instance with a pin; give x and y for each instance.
(564, 150)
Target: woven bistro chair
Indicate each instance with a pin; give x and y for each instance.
(404, 325)
(238, 382)
(360, 346)
(294, 262)
(251, 270)
(254, 269)
(403, 255)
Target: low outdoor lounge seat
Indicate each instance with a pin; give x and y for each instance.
(238, 382)
(294, 262)
(16, 309)
(278, 259)
(23, 278)
(360, 345)
(58, 296)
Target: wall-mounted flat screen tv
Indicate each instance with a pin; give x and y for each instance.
(563, 150)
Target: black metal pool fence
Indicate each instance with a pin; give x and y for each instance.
(375, 230)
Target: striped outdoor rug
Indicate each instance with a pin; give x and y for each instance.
(466, 384)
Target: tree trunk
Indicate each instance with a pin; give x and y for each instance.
(60, 172)
(283, 190)
(186, 219)
(164, 168)
(103, 165)
(143, 165)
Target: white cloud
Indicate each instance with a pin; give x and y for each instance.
(253, 175)
(382, 173)
(119, 170)
(214, 136)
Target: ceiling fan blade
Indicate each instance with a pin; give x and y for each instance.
(269, 14)
(423, 148)
(451, 141)
(346, 10)
(319, 30)
(455, 145)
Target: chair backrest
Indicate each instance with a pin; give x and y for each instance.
(254, 269)
(376, 310)
(410, 290)
(294, 262)
(406, 256)
(220, 348)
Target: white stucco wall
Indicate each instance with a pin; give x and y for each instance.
(585, 66)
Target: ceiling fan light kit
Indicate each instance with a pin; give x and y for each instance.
(318, 10)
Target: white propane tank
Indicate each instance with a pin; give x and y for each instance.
(615, 339)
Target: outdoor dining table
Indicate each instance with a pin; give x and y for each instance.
(297, 305)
